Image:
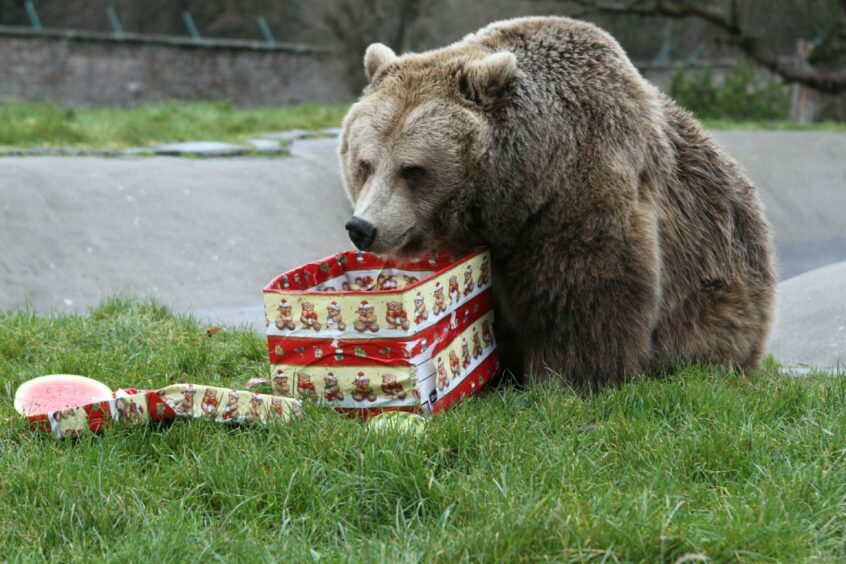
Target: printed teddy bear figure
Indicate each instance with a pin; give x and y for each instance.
(396, 316)
(477, 344)
(186, 407)
(276, 407)
(468, 280)
(454, 293)
(363, 283)
(409, 280)
(420, 313)
(443, 379)
(231, 409)
(64, 415)
(256, 405)
(487, 334)
(454, 364)
(308, 317)
(210, 403)
(386, 282)
(280, 384)
(333, 319)
(363, 390)
(465, 353)
(305, 387)
(440, 302)
(127, 410)
(391, 388)
(286, 317)
(484, 272)
(366, 318)
(331, 389)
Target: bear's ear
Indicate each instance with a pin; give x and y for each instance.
(377, 56)
(486, 80)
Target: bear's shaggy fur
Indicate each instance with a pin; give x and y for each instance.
(622, 239)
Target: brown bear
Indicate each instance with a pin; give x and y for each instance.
(362, 389)
(280, 383)
(454, 294)
(276, 407)
(477, 344)
(333, 318)
(440, 302)
(210, 403)
(308, 317)
(468, 280)
(396, 316)
(186, 406)
(366, 318)
(622, 239)
(331, 389)
(392, 388)
(286, 318)
(305, 387)
(256, 407)
(454, 364)
(420, 313)
(443, 379)
(230, 411)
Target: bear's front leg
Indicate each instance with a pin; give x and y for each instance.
(597, 329)
(585, 309)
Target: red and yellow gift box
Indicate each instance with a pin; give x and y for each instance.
(360, 332)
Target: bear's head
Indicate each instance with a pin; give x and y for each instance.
(394, 307)
(308, 307)
(389, 379)
(411, 143)
(473, 143)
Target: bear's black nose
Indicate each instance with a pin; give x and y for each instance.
(362, 232)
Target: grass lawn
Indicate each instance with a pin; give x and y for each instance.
(707, 463)
(42, 124)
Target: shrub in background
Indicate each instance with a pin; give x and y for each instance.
(743, 95)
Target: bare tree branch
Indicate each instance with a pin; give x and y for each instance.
(753, 47)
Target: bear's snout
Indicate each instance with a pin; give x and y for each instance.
(362, 232)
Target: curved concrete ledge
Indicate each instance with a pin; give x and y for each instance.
(810, 327)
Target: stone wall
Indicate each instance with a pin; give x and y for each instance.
(100, 69)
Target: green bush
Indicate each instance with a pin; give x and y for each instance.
(741, 96)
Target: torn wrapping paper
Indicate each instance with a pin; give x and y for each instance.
(131, 406)
(356, 331)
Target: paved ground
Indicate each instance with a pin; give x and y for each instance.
(811, 326)
(200, 235)
(204, 235)
(802, 180)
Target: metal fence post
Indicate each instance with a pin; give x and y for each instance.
(33, 15)
(114, 21)
(265, 30)
(192, 27)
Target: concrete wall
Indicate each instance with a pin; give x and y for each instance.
(96, 69)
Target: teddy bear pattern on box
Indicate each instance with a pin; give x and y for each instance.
(419, 307)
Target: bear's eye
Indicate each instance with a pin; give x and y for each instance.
(413, 173)
(364, 170)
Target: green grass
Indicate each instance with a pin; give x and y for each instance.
(835, 126)
(709, 463)
(42, 124)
